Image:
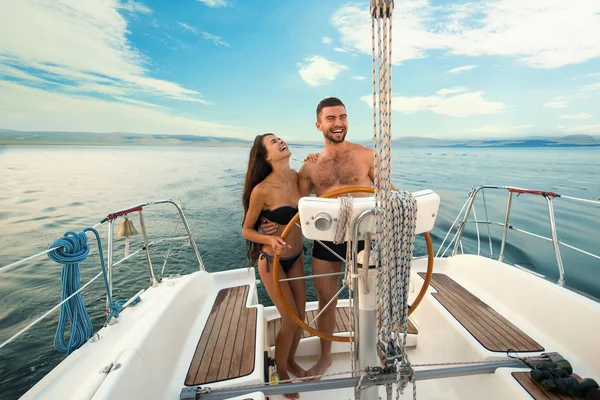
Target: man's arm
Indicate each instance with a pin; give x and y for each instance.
(304, 183)
(371, 162)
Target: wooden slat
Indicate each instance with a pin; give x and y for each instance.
(219, 347)
(212, 336)
(507, 332)
(537, 392)
(412, 329)
(238, 347)
(193, 370)
(340, 324)
(342, 318)
(226, 347)
(347, 316)
(232, 333)
(487, 326)
(249, 344)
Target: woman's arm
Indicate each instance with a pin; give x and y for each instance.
(257, 203)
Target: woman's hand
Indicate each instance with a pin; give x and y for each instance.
(278, 244)
(312, 157)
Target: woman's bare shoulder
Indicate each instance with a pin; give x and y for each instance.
(260, 190)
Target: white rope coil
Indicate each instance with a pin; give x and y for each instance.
(396, 211)
(343, 225)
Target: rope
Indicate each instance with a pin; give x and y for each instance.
(393, 289)
(396, 211)
(21, 261)
(162, 271)
(341, 231)
(343, 225)
(70, 250)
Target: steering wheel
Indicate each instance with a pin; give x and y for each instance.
(279, 291)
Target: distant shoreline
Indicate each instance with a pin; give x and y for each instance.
(225, 144)
(39, 138)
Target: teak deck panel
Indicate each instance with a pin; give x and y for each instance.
(524, 378)
(343, 323)
(491, 329)
(227, 344)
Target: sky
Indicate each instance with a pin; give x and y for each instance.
(235, 68)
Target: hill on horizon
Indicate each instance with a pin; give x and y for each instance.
(24, 138)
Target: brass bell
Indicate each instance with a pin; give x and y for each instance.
(127, 229)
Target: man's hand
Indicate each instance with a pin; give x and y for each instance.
(267, 227)
(312, 157)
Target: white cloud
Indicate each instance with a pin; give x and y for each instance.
(358, 78)
(539, 33)
(188, 27)
(326, 40)
(26, 108)
(140, 103)
(217, 40)
(83, 43)
(318, 70)
(214, 3)
(135, 7)
(7, 71)
(460, 70)
(97, 88)
(499, 129)
(555, 104)
(587, 76)
(339, 50)
(592, 86)
(457, 89)
(576, 116)
(591, 129)
(459, 105)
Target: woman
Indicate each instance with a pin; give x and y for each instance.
(271, 192)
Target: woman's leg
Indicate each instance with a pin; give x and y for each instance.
(298, 289)
(285, 337)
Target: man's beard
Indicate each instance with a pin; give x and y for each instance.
(332, 137)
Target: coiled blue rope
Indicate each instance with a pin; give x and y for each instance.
(73, 249)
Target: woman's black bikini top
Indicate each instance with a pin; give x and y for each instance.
(281, 215)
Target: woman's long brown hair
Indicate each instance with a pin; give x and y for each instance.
(258, 169)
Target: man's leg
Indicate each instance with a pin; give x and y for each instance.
(326, 288)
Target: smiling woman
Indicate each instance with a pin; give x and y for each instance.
(271, 191)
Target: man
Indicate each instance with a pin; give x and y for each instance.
(341, 164)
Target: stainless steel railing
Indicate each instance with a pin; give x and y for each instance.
(111, 218)
(462, 220)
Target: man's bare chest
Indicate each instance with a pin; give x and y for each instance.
(339, 171)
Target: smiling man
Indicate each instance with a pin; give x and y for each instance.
(341, 164)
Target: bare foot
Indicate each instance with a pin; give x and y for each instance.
(320, 367)
(284, 377)
(295, 369)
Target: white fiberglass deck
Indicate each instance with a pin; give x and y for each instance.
(155, 341)
(512, 293)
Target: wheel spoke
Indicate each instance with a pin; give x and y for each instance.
(332, 252)
(327, 305)
(311, 276)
